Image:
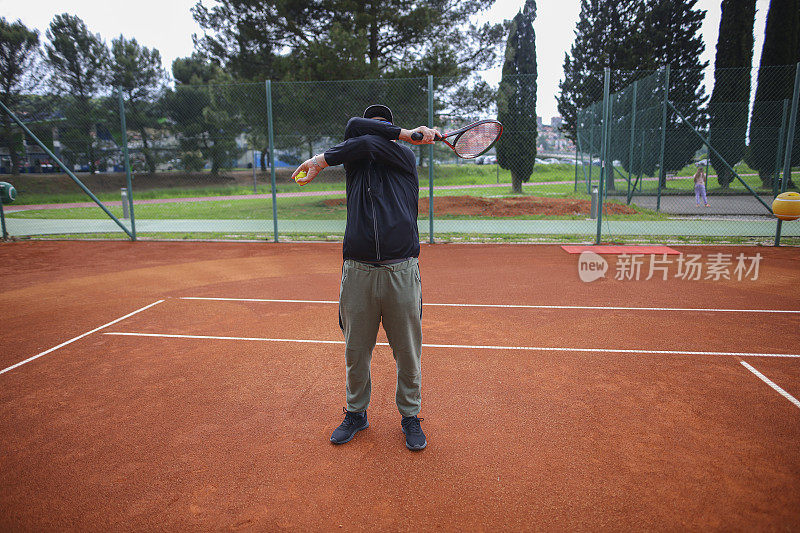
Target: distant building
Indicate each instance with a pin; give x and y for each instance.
(539, 121)
(555, 122)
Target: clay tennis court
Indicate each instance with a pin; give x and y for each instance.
(194, 386)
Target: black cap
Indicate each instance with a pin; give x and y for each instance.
(378, 110)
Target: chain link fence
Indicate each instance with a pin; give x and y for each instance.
(692, 172)
(214, 161)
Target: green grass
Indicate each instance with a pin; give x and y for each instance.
(295, 208)
(445, 175)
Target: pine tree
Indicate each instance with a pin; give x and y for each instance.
(19, 52)
(78, 60)
(671, 35)
(342, 39)
(604, 37)
(779, 55)
(635, 39)
(516, 150)
(730, 101)
(136, 70)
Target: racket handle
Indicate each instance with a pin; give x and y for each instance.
(417, 136)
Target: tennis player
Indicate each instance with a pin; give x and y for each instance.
(380, 275)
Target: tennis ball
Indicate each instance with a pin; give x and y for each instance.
(786, 206)
(301, 174)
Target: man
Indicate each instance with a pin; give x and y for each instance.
(380, 274)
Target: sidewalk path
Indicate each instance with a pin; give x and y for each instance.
(696, 228)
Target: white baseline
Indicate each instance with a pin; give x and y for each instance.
(518, 306)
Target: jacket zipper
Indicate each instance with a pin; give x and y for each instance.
(374, 218)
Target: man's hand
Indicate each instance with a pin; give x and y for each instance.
(311, 167)
(428, 135)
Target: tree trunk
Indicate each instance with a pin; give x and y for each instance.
(516, 184)
(148, 155)
(610, 178)
(8, 136)
(724, 177)
(91, 155)
(766, 179)
(12, 152)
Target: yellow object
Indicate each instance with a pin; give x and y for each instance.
(301, 174)
(786, 206)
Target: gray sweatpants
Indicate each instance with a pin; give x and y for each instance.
(391, 294)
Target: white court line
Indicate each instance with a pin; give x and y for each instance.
(54, 348)
(461, 346)
(515, 306)
(769, 382)
(260, 300)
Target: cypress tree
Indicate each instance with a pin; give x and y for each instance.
(730, 100)
(516, 150)
(779, 55)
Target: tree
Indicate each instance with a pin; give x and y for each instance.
(516, 105)
(671, 36)
(635, 39)
(780, 53)
(730, 101)
(137, 72)
(203, 111)
(78, 60)
(19, 53)
(333, 39)
(604, 37)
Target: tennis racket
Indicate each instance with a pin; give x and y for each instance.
(470, 141)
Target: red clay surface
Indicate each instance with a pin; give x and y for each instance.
(119, 432)
(506, 207)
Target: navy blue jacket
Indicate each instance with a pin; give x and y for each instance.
(382, 192)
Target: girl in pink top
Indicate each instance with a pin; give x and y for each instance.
(700, 187)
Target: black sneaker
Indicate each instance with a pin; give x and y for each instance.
(415, 438)
(353, 423)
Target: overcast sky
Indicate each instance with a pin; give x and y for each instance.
(168, 26)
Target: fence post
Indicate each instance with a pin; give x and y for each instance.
(787, 154)
(127, 160)
(430, 157)
(662, 175)
(3, 219)
(776, 183)
(633, 129)
(591, 158)
(603, 150)
(255, 182)
(272, 159)
(576, 165)
(640, 177)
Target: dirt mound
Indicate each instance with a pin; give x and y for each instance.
(507, 207)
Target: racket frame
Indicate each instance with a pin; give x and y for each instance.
(459, 132)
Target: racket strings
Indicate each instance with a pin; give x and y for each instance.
(477, 140)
